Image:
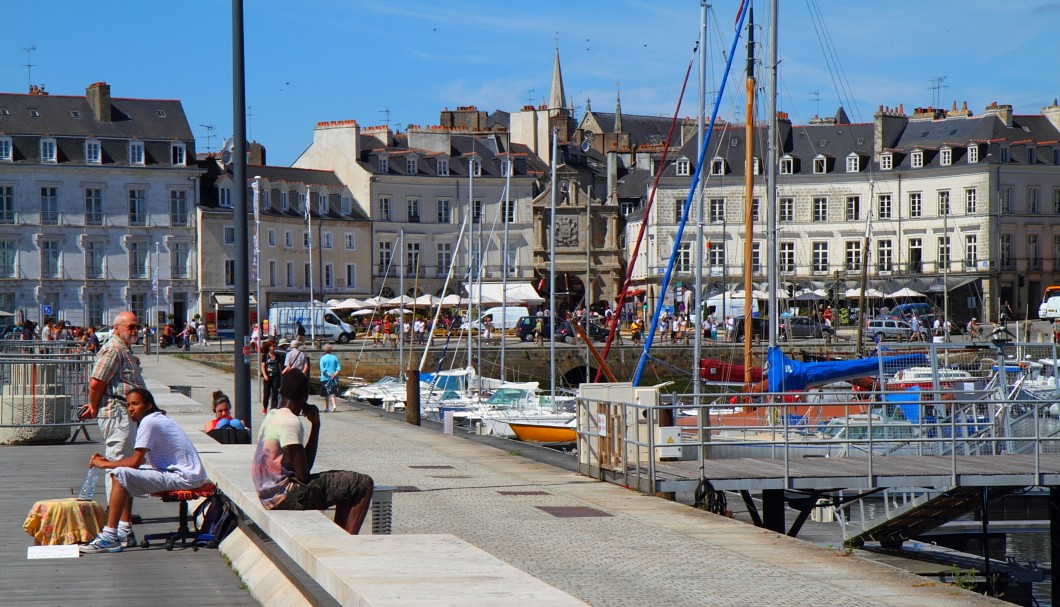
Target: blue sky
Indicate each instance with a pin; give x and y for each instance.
(320, 60)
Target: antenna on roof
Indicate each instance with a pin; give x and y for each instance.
(386, 111)
(936, 89)
(29, 66)
(530, 97)
(209, 136)
(816, 96)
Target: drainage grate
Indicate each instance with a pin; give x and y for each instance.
(431, 467)
(572, 511)
(524, 493)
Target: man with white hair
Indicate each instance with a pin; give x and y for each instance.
(296, 359)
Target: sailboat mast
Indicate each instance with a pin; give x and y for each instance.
(771, 248)
(697, 299)
(748, 226)
(401, 305)
(552, 275)
(505, 207)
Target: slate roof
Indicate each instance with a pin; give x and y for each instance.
(488, 149)
(643, 130)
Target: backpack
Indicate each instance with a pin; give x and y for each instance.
(214, 518)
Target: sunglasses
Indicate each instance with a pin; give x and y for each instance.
(132, 326)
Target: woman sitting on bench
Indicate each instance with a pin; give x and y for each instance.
(174, 464)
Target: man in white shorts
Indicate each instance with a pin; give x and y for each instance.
(162, 445)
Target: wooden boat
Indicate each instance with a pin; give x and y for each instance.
(545, 434)
(711, 369)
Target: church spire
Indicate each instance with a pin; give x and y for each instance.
(557, 99)
(618, 109)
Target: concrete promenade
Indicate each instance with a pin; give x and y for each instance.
(598, 542)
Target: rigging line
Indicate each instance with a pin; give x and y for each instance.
(371, 318)
(650, 337)
(445, 287)
(644, 222)
(845, 92)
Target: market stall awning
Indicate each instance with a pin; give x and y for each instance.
(517, 293)
(222, 300)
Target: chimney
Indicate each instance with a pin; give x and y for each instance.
(256, 154)
(1052, 113)
(1004, 112)
(98, 96)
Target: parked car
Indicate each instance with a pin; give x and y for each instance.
(907, 310)
(595, 332)
(801, 326)
(891, 328)
(524, 328)
(758, 325)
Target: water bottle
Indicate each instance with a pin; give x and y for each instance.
(88, 487)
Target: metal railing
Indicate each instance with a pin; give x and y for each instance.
(42, 385)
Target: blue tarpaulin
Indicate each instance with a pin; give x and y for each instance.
(786, 375)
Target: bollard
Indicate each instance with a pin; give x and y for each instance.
(412, 397)
(447, 424)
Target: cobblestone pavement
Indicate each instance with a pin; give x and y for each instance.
(633, 550)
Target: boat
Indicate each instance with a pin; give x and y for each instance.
(551, 434)
(714, 370)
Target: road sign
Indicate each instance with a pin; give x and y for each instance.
(46, 310)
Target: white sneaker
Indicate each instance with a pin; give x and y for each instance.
(102, 544)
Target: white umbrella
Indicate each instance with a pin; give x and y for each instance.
(332, 302)
(376, 301)
(403, 300)
(426, 300)
(758, 294)
(905, 292)
(350, 304)
(454, 300)
(365, 312)
(869, 294)
(810, 295)
(397, 311)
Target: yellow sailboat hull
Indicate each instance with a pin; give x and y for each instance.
(544, 433)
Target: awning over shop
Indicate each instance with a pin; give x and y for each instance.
(227, 300)
(518, 292)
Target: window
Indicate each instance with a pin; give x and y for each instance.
(329, 276)
(683, 166)
(49, 206)
(445, 211)
(303, 203)
(385, 253)
(137, 207)
(306, 275)
(820, 257)
(136, 152)
(7, 259)
(178, 208)
(272, 273)
(179, 253)
(413, 205)
(272, 237)
(505, 164)
(820, 209)
(916, 255)
(626, 207)
(229, 234)
(138, 304)
(93, 207)
(916, 204)
(412, 259)
(476, 259)
(717, 210)
(717, 166)
(306, 235)
(1034, 252)
(230, 272)
(716, 258)
(290, 274)
(351, 276)
(6, 151)
(177, 154)
(443, 167)
(786, 259)
(756, 258)
(476, 212)
(95, 310)
(137, 259)
(1032, 201)
(1006, 199)
(384, 208)
(476, 167)
(944, 202)
(509, 211)
(351, 241)
(7, 204)
(916, 159)
(853, 255)
(410, 166)
(511, 259)
(756, 166)
(288, 239)
(347, 205)
(853, 208)
(383, 165)
(886, 162)
(853, 163)
(95, 257)
(884, 255)
(820, 165)
(683, 264)
(971, 251)
(322, 203)
(973, 154)
(944, 252)
(756, 206)
(48, 151)
(679, 208)
(971, 200)
(787, 166)
(443, 257)
(1056, 201)
(883, 206)
(328, 240)
(946, 157)
(224, 197)
(1056, 250)
(1004, 153)
(93, 154)
(787, 209)
(285, 203)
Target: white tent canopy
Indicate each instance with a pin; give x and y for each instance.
(350, 304)
(759, 294)
(426, 300)
(376, 301)
(905, 292)
(869, 294)
(401, 300)
(810, 294)
(517, 293)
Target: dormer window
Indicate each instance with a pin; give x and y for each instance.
(322, 204)
(410, 166)
(136, 153)
(504, 167)
(6, 149)
(853, 163)
(443, 167)
(683, 166)
(973, 154)
(383, 164)
(48, 151)
(1032, 155)
(476, 167)
(285, 204)
(916, 159)
(787, 165)
(820, 165)
(93, 154)
(1004, 153)
(178, 154)
(886, 162)
(224, 197)
(717, 166)
(945, 157)
(756, 166)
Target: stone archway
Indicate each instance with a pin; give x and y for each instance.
(577, 376)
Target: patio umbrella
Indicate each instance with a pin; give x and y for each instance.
(905, 292)
(426, 300)
(402, 300)
(453, 300)
(810, 294)
(364, 312)
(869, 294)
(376, 301)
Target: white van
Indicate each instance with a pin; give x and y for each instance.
(1050, 308)
(503, 318)
(283, 319)
(733, 306)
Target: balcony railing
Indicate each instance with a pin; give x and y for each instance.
(7, 217)
(93, 219)
(49, 218)
(178, 220)
(137, 219)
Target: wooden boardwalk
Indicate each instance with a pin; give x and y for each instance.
(134, 577)
(854, 473)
